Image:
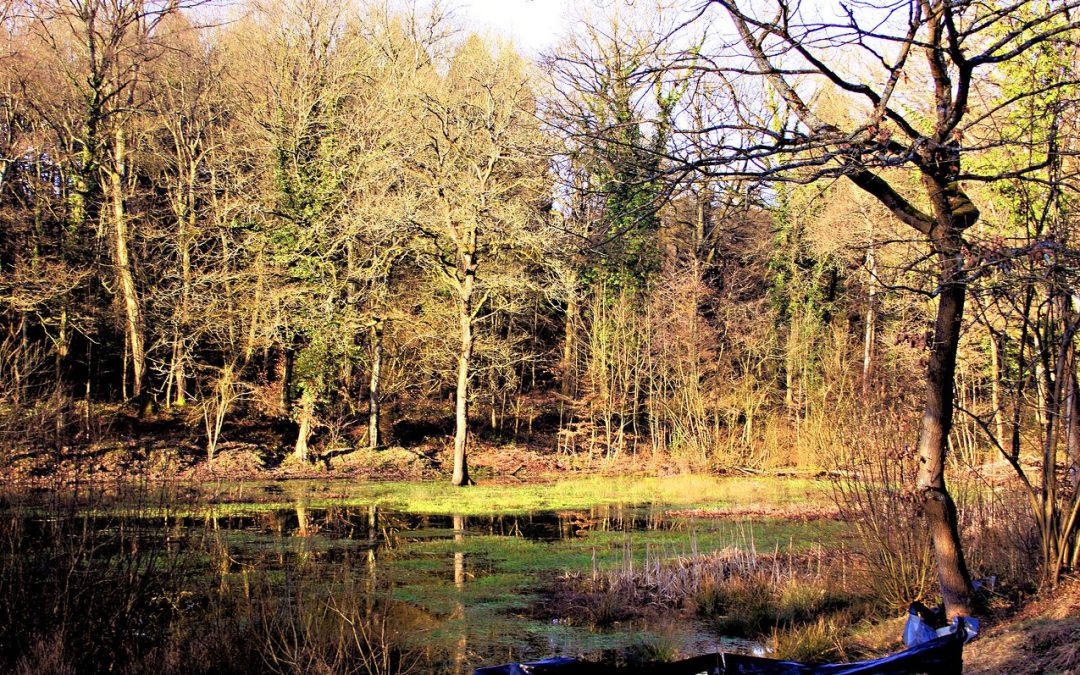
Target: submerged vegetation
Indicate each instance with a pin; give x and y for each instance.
(294, 580)
(243, 243)
(349, 588)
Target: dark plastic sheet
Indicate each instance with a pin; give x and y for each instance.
(938, 654)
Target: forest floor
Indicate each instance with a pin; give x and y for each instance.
(173, 447)
(239, 461)
(1043, 636)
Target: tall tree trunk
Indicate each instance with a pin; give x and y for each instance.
(63, 344)
(375, 395)
(569, 355)
(251, 341)
(124, 369)
(1074, 429)
(185, 212)
(305, 417)
(352, 299)
(1054, 539)
(287, 357)
(461, 416)
(84, 198)
(938, 505)
(870, 334)
(997, 345)
(1070, 408)
(124, 269)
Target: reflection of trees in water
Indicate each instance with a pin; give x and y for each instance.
(387, 529)
(303, 523)
(355, 551)
(458, 614)
(372, 556)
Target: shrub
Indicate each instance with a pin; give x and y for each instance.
(813, 642)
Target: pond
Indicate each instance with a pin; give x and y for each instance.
(471, 571)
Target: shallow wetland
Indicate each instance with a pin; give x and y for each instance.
(471, 576)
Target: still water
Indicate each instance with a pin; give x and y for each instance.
(475, 588)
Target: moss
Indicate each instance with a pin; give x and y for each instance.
(518, 498)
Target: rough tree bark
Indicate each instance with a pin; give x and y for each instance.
(938, 505)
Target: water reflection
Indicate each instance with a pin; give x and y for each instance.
(466, 580)
(458, 614)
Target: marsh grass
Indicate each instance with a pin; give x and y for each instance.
(739, 592)
(653, 648)
(815, 641)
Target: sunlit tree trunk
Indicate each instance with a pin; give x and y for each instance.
(375, 394)
(125, 274)
(1074, 427)
(996, 353)
(870, 333)
(569, 355)
(185, 222)
(461, 414)
(305, 417)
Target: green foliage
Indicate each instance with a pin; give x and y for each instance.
(800, 283)
(628, 179)
(319, 362)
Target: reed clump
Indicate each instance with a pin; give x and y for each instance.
(815, 641)
(85, 592)
(741, 593)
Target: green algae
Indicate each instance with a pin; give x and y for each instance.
(480, 575)
(440, 498)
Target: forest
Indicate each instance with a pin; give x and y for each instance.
(318, 239)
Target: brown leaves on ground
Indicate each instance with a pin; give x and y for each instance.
(1044, 637)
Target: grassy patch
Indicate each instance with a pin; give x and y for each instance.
(814, 642)
(518, 498)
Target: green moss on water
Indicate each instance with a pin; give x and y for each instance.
(579, 524)
(610, 549)
(440, 498)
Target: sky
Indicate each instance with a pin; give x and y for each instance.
(533, 25)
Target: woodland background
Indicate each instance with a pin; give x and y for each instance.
(358, 226)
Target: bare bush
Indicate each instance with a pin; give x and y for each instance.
(873, 492)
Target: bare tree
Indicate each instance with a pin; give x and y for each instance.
(102, 48)
(477, 180)
(911, 71)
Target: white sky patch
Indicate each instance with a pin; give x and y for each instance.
(532, 25)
